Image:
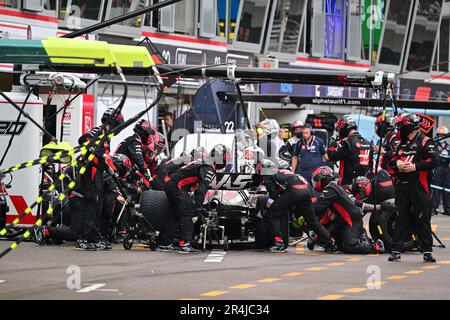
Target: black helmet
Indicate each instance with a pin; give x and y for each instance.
(110, 117)
(266, 167)
(405, 124)
(383, 126)
(146, 131)
(88, 136)
(322, 177)
(344, 126)
(361, 188)
(122, 164)
(220, 156)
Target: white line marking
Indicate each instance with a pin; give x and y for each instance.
(91, 288)
(215, 256)
(108, 290)
(1, 281)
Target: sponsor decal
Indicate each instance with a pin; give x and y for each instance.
(11, 127)
(426, 122)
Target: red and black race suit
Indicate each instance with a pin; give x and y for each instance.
(133, 149)
(390, 144)
(196, 175)
(85, 200)
(441, 178)
(412, 199)
(383, 189)
(355, 156)
(346, 218)
(420, 151)
(164, 170)
(289, 190)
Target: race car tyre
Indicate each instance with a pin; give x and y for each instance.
(385, 219)
(154, 207)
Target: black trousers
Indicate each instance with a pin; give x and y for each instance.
(106, 222)
(87, 207)
(355, 240)
(301, 200)
(441, 178)
(413, 209)
(181, 213)
(84, 218)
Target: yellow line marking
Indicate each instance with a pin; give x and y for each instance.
(213, 293)
(188, 299)
(316, 269)
(434, 227)
(354, 259)
(336, 264)
(293, 274)
(430, 267)
(414, 272)
(331, 297)
(396, 277)
(355, 290)
(268, 280)
(307, 253)
(374, 255)
(375, 284)
(444, 262)
(243, 286)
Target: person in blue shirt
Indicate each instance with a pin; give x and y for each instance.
(309, 153)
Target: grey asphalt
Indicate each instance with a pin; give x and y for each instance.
(32, 272)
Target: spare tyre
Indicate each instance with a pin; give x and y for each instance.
(154, 207)
(381, 226)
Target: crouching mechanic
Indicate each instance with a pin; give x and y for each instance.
(339, 211)
(167, 168)
(195, 175)
(286, 191)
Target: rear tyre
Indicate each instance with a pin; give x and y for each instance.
(385, 220)
(154, 207)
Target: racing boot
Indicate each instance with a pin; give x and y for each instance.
(312, 240)
(102, 244)
(428, 257)
(40, 234)
(167, 248)
(379, 246)
(331, 246)
(84, 245)
(395, 255)
(278, 247)
(186, 248)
